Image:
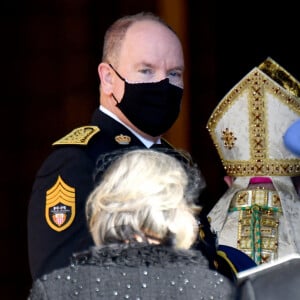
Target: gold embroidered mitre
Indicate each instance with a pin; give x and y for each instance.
(248, 124)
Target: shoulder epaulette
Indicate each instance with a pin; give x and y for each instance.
(168, 143)
(78, 136)
(183, 153)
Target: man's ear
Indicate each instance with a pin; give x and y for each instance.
(106, 78)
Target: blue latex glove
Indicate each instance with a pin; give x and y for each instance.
(291, 138)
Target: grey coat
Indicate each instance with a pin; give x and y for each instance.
(134, 272)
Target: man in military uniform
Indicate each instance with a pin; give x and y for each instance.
(141, 88)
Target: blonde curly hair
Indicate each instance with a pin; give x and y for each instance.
(146, 194)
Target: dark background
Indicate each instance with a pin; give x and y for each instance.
(50, 50)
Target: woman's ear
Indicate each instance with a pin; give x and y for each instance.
(106, 78)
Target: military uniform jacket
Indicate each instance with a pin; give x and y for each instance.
(145, 272)
(56, 213)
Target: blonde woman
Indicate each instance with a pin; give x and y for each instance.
(142, 219)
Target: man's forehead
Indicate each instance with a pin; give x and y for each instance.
(149, 44)
(143, 28)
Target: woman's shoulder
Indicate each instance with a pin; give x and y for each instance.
(136, 271)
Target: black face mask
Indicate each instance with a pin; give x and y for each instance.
(151, 107)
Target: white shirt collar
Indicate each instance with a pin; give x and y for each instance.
(145, 141)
